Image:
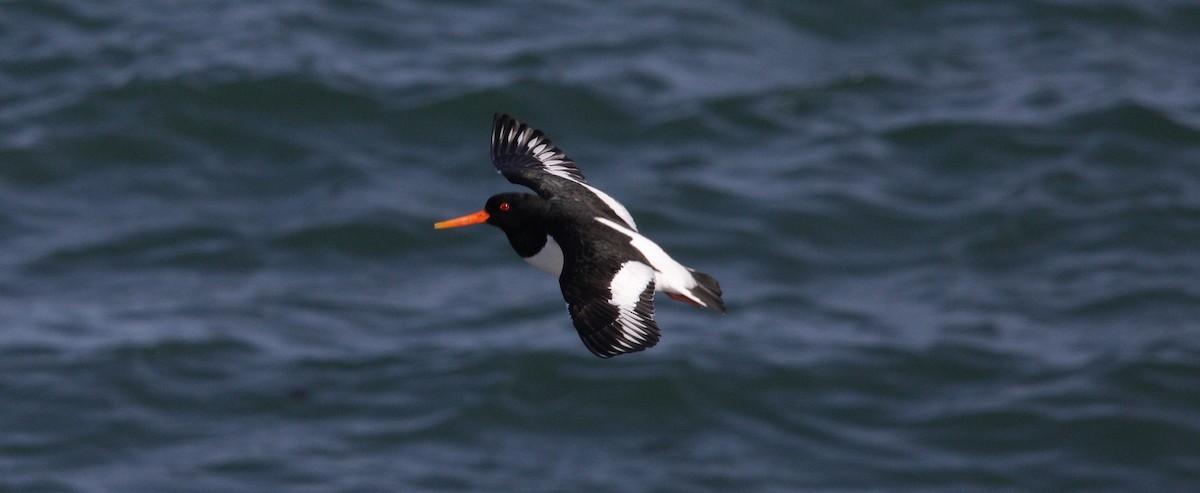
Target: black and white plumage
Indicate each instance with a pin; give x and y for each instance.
(607, 270)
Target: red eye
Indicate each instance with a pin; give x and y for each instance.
(504, 206)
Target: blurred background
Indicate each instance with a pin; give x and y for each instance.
(959, 243)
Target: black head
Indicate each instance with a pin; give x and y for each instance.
(520, 215)
(513, 211)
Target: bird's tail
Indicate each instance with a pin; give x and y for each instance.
(708, 291)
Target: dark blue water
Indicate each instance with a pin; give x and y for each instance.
(959, 241)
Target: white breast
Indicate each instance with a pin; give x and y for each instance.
(549, 259)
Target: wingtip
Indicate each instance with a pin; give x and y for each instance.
(499, 119)
(504, 129)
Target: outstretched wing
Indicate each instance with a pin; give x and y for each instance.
(525, 156)
(612, 311)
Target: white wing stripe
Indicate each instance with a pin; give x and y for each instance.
(627, 286)
(671, 276)
(612, 203)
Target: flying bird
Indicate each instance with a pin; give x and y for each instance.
(608, 272)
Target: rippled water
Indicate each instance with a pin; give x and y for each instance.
(959, 241)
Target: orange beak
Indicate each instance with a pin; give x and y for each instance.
(467, 220)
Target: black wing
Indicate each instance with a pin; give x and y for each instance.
(525, 156)
(612, 311)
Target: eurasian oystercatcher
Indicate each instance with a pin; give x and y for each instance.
(608, 271)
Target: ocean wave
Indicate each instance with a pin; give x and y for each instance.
(1135, 119)
(956, 240)
(198, 247)
(216, 249)
(355, 237)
